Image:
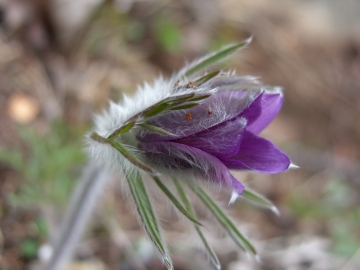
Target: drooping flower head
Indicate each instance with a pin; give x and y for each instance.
(200, 126)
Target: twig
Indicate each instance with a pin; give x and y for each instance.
(82, 203)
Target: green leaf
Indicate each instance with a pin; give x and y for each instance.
(214, 57)
(206, 78)
(259, 199)
(162, 105)
(147, 215)
(199, 97)
(226, 223)
(123, 129)
(212, 255)
(184, 97)
(180, 98)
(123, 151)
(184, 106)
(155, 129)
(175, 201)
(155, 109)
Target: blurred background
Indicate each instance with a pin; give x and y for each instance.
(62, 60)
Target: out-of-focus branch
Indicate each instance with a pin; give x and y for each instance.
(83, 202)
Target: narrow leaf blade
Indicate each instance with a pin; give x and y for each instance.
(155, 129)
(200, 97)
(259, 199)
(207, 77)
(180, 98)
(227, 224)
(123, 129)
(147, 215)
(175, 201)
(215, 57)
(177, 100)
(156, 109)
(164, 105)
(211, 253)
(184, 106)
(161, 106)
(209, 250)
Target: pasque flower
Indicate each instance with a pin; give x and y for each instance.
(196, 127)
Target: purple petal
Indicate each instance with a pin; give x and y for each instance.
(258, 154)
(238, 187)
(253, 112)
(171, 155)
(270, 106)
(219, 107)
(221, 141)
